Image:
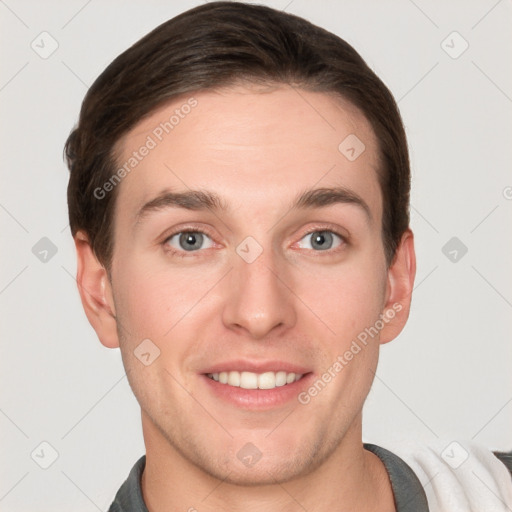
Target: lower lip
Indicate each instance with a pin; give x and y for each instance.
(258, 399)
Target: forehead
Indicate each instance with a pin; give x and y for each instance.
(250, 145)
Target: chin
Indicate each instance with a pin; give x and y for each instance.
(260, 462)
(262, 473)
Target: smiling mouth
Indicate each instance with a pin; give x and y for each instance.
(250, 380)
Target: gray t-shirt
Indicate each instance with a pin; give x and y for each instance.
(407, 490)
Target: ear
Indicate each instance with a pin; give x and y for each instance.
(400, 281)
(95, 292)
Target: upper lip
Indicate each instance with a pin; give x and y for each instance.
(242, 365)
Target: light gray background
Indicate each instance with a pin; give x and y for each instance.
(448, 374)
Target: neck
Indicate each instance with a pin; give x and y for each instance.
(352, 478)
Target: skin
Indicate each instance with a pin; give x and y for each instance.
(257, 148)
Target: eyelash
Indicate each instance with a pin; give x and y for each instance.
(186, 254)
(183, 254)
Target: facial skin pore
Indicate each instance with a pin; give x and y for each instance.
(258, 150)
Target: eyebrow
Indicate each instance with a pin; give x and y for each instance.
(201, 200)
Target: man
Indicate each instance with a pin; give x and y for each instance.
(239, 197)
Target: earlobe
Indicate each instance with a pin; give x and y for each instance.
(400, 282)
(95, 292)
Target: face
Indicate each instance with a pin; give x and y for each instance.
(250, 300)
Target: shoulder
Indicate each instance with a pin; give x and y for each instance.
(506, 458)
(459, 475)
(129, 496)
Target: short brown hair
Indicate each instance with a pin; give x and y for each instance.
(215, 45)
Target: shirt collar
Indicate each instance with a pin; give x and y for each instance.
(407, 489)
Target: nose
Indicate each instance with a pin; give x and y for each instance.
(259, 299)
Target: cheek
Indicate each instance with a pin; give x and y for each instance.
(153, 296)
(347, 299)
(151, 300)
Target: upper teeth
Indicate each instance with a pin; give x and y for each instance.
(249, 380)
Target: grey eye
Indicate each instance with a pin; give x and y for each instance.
(322, 240)
(189, 240)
